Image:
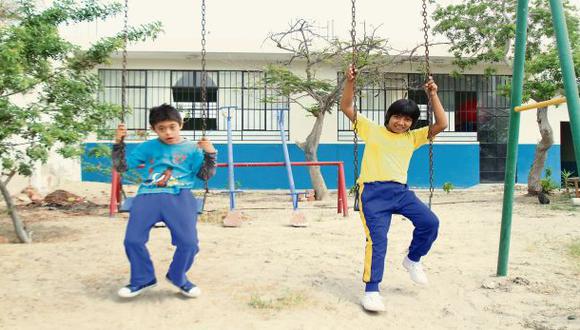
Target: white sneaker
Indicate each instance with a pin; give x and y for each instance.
(191, 292)
(189, 289)
(415, 270)
(373, 302)
(130, 291)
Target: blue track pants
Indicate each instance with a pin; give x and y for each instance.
(378, 201)
(179, 213)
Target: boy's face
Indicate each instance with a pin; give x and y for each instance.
(168, 131)
(399, 123)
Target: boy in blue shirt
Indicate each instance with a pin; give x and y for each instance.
(169, 166)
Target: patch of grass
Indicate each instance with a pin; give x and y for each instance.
(258, 302)
(213, 217)
(291, 299)
(562, 203)
(563, 207)
(288, 300)
(537, 325)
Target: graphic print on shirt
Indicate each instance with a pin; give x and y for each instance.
(166, 168)
(179, 158)
(164, 179)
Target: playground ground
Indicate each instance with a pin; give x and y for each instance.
(267, 275)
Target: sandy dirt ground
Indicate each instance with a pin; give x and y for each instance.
(268, 275)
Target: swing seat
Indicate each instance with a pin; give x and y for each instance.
(128, 202)
(126, 205)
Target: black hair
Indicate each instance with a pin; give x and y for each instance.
(403, 107)
(162, 113)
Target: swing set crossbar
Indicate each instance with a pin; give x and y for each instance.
(543, 104)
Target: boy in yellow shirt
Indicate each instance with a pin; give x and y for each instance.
(383, 186)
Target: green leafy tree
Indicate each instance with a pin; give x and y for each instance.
(310, 51)
(48, 85)
(483, 31)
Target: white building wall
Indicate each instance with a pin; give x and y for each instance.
(300, 121)
(529, 131)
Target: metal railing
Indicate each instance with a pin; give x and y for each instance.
(461, 96)
(255, 120)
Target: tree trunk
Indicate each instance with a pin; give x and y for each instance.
(534, 186)
(23, 236)
(310, 148)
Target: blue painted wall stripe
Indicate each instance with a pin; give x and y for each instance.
(458, 164)
(462, 172)
(526, 158)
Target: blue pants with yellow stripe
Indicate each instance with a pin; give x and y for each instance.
(179, 212)
(378, 201)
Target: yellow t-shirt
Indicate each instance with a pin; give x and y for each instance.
(387, 154)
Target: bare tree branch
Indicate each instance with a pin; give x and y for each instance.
(9, 177)
(303, 43)
(295, 100)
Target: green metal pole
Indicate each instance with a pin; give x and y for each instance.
(514, 131)
(569, 76)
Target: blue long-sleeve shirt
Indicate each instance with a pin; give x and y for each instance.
(167, 168)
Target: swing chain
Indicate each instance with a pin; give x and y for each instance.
(203, 82)
(355, 108)
(203, 72)
(124, 63)
(121, 167)
(122, 161)
(426, 37)
(429, 104)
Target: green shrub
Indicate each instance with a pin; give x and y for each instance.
(448, 186)
(547, 183)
